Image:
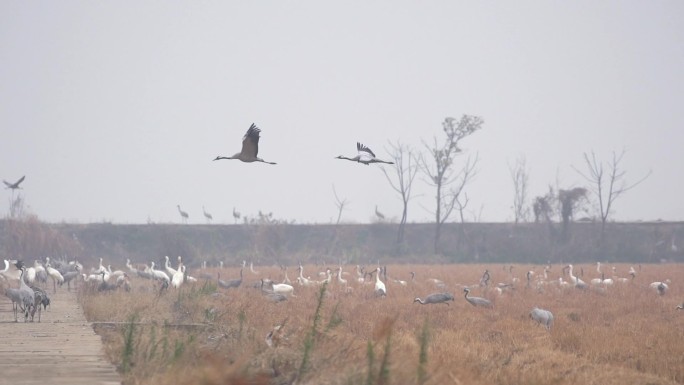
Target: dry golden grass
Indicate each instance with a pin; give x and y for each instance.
(203, 335)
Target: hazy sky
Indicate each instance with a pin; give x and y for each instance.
(115, 110)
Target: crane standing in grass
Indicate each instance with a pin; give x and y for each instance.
(378, 214)
(207, 215)
(250, 147)
(435, 298)
(183, 214)
(232, 283)
(542, 317)
(380, 288)
(477, 301)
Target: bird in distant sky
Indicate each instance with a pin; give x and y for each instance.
(14, 185)
(250, 147)
(365, 156)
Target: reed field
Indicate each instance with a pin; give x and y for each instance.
(202, 334)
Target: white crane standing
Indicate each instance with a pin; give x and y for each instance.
(380, 288)
(54, 274)
(365, 156)
(250, 147)
(169, 270)
(178, 278)
(575, 280)
(158, 274)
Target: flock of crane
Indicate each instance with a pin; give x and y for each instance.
(24, 290)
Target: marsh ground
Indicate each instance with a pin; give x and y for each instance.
(623, 334)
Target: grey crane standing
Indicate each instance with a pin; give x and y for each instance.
(484, 281)
(250, 147)
(232, 283)
(477, 301)
(183, 214)
(106, 286)
(15, 296)
(207, 215)
(236, 215)
(435, 298)
(41, 298)
(378, 214)
(28, 297)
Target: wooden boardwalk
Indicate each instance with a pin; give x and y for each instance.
(61, 349)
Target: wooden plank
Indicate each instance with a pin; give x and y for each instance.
(61, 349)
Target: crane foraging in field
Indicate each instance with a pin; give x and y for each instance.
(435, 298)
(365, 156)
(267, 286)
(477, 301)
(660, 287)
(542, 317)
(250, 147)
(231, 283)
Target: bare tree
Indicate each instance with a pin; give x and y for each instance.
(607, 187)
(405, 169)
(520, 176)
(448, 181)
(340, 204)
